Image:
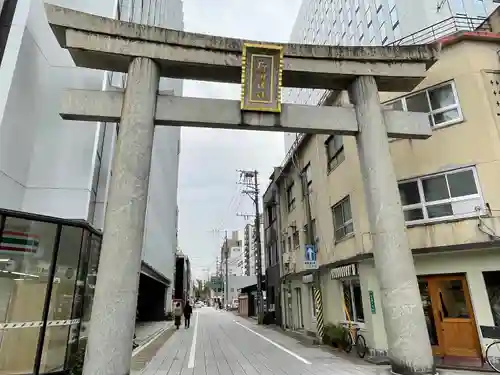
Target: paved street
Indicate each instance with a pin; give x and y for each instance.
(223, 344)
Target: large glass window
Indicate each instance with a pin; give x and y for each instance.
(440, 102)
(492, 281)
(453, 194)
(26, 254)
(334, 151)
(58, 335)
(91, 278)
(353, 308)
(342, 219)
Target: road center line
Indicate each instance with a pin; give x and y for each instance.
(303, 360)
(192, 352)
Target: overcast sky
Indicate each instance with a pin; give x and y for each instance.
(209, 196)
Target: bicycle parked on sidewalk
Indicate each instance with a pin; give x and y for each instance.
(354, 337)
(493, 355)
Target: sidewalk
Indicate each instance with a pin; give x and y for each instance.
(145, 330)
(151, 337)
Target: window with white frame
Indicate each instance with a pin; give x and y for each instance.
(353, 308)
(440, 102)
(334, 151)
(342, 219)
(448, 195)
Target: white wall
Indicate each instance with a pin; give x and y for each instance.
(238, 282)
(44, 161)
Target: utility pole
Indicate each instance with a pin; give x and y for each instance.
(226, 255)
(250, 180)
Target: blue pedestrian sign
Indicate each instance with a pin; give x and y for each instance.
(310, 257)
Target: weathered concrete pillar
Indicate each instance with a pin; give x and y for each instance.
(112, 323)
(409, 347)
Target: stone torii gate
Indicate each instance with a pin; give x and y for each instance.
(148, 53)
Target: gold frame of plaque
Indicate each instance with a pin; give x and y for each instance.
(261, 77)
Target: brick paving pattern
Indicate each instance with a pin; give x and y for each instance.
(224, 347)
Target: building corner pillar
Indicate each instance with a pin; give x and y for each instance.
(112, 323)
(410, 351)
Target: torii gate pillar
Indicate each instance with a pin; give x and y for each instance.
(112, 324)
(408, 341)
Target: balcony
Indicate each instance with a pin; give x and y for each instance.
(442, 29)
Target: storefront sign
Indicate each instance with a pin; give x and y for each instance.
(344, 271)
(307, 279)
(261, 70)
(372, 301)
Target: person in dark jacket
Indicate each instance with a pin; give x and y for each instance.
(188, 310)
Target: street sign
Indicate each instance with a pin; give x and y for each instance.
(310, 261)
(372, 302)
(261, 71)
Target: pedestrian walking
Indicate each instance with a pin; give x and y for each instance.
(177, 314)
(188, 310)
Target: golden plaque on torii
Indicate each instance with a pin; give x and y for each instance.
(261, 72)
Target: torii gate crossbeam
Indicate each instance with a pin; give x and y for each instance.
(147, 53)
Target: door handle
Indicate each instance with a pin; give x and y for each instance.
(441, 316)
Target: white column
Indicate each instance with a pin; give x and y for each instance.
(408, 341)
(112, 323)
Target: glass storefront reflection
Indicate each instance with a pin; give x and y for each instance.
(35, 254)
(26, 251)
(61, 300)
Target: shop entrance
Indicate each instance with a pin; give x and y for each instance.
(449, 316)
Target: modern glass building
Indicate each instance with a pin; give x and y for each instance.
(378, 22)
(48, 269)
(54, 176)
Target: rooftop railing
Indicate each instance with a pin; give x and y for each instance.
(442, 29)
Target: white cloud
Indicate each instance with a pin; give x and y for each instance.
(208, 193)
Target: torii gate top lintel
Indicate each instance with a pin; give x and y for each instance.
(102, 43)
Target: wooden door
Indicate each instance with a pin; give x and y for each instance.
(453, 316)
(430, 315)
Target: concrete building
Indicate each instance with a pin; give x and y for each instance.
(250, 250)
(272, 267)
(448, 187)
(378, 22)
(235, 261)
(236, 283)
(53, 167)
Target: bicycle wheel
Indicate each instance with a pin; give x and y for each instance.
(348, 342)
(361, 348)
(493, 355)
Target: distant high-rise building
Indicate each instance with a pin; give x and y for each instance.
(250, 250)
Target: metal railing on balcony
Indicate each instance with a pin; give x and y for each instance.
(442, 29)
